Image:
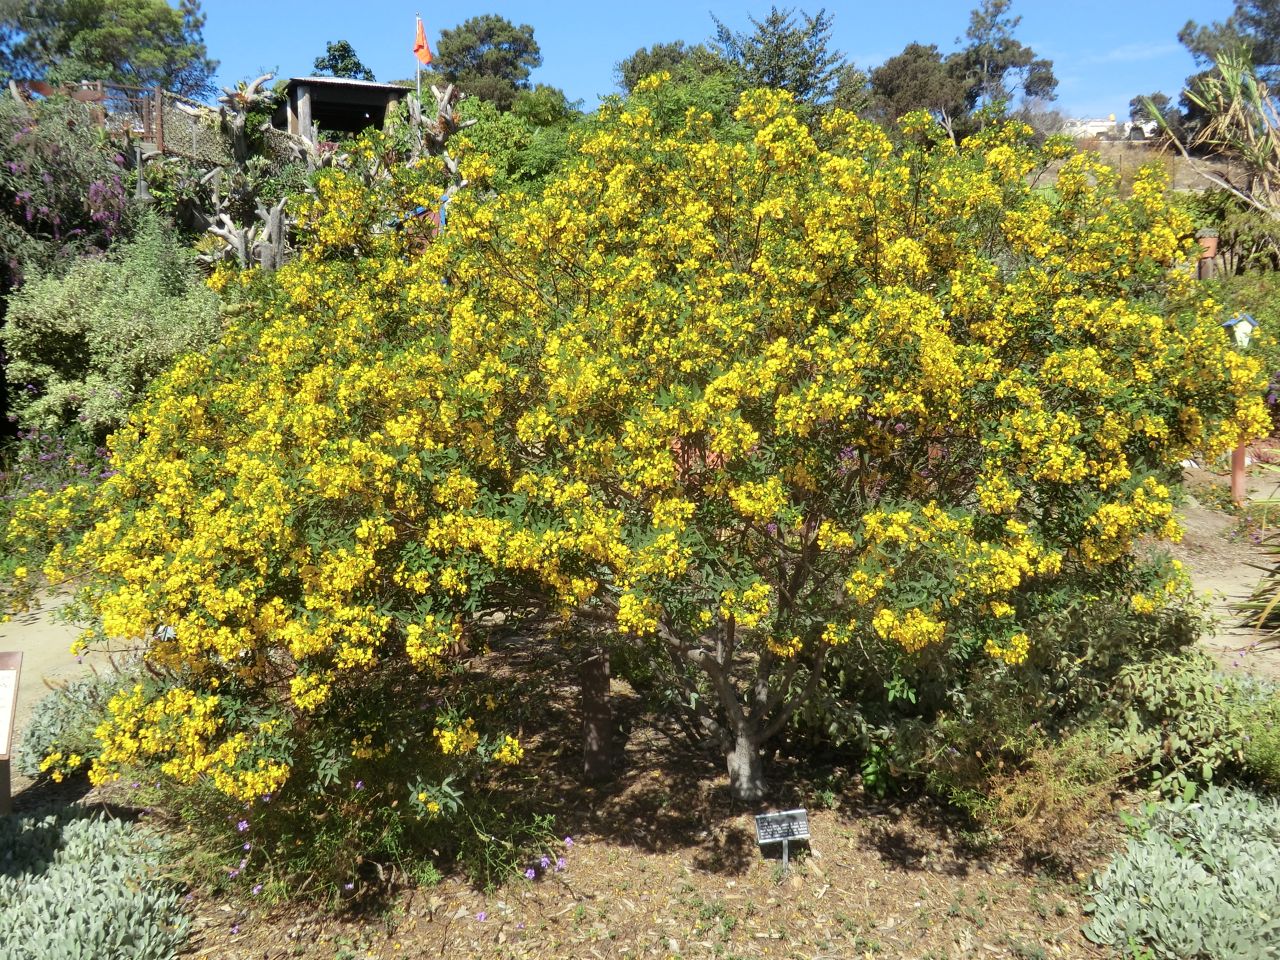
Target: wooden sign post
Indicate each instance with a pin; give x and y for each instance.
(10, 671)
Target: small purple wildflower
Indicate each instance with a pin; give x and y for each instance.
(348, 886)
(530, 874)
(560, 864)
(568, 841)
(235, 928)
(257, 889)
(359, 784)
(233, 872)
(544, 862)
(482, 916)
(248, 846)
(242, 826)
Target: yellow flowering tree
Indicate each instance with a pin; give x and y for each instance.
(753, 398)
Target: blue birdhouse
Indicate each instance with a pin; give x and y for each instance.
(1240, 329)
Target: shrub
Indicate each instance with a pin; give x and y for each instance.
(1200, 881)
(62, 189)
(770, 409)
(83, 348)
(59, 737)
(1258, 707)
(75, 886)
(1178, 717)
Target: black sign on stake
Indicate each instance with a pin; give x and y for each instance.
(782, 828)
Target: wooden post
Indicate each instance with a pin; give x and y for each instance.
(304, 111)
(1208, 250)
(1238, 492)
(159, 118)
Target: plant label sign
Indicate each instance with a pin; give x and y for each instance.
(10, 668)
(782, 828)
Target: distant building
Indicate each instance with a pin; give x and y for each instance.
(1108, 129)
(335, 105)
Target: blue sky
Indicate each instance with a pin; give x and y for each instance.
(1104, 51)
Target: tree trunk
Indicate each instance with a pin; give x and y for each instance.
(597, 718)
(746, 769)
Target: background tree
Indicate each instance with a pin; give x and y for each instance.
(995, 66)
(1157, 107)
(544, 106)
(785, 52)
(1253, 29)
(678, 59)
(340, 60)
(489, 57)
(141, 42)
(917, 79)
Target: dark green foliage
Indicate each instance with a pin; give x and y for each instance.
(785, 51)
(137, 42)
(74, 886)
(994, 66)
(917, 79)
(683, 62)
(1200, 881)
(340, 60)
(488, 57)
(1254, 26)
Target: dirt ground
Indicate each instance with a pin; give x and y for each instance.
(1225, 555)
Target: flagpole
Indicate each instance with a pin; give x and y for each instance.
(417, 61)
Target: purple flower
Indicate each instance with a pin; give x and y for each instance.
(560, 864)
(248, 846)
(482, 916)
(529, 874)
(544, 862)
(348, 886)
(233, 872)
(242, 826)
(257, 889)
(568, 841)
(359, 784)
(235, 928)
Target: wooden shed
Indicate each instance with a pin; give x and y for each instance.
(335, 104)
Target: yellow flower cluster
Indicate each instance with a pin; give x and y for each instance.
(457, 739)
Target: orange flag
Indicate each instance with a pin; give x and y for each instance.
(420, 48)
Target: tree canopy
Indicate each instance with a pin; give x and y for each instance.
(1253, 28)
(488, 57)
(918, 78)
(340, 60)
(785, 51)
(138, 42)
(994, 65)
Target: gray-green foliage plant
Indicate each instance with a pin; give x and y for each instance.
(74, 886)
(1201, 881)
(63, 722)
(83, 347)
